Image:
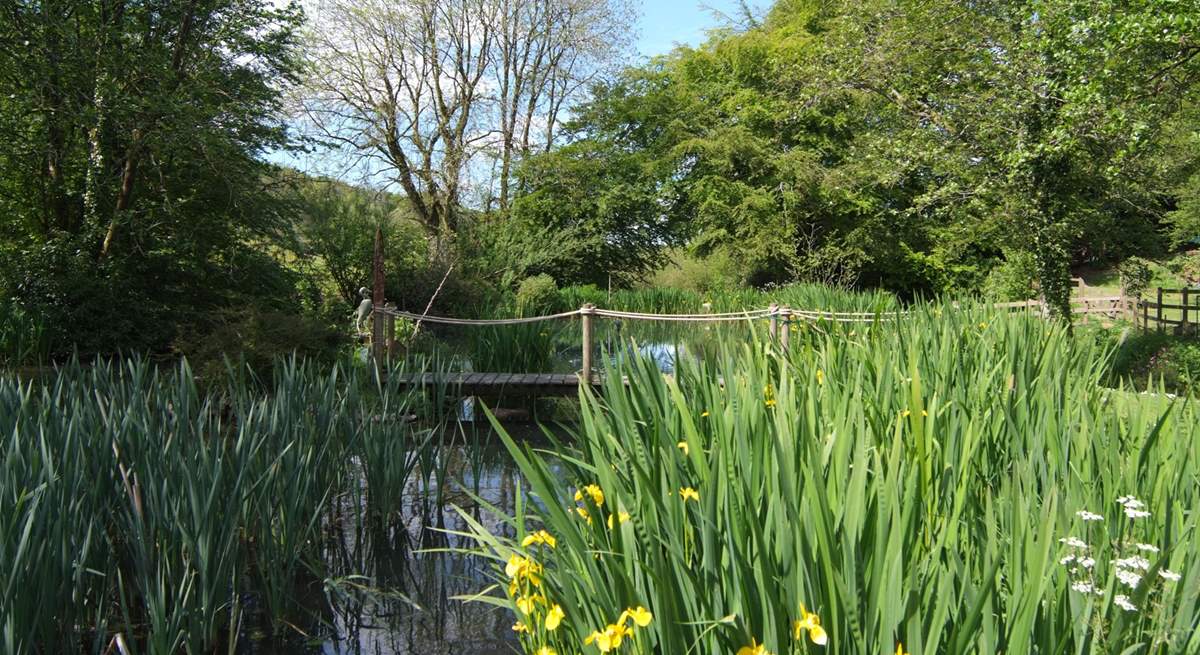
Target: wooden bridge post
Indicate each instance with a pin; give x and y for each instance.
(390, 336)
(785, 336)
(1158, 311)
(585, 315)
(377, 302)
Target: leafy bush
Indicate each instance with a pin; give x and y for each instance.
(1135, 276)
(23, 337)
(1013, 279)
(256, 338)
(537, 295)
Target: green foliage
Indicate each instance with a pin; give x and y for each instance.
(1013, 279)
(135, 503)
(256, 339)
(1135, 276)
(130, 182)
(1151, 359)
(912, 484)
(23, 337)
(537, 295)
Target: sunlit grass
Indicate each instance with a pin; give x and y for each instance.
(910, 483)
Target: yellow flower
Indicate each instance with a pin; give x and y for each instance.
(905, 413)
(687, 492)
(609, 639)
(640, 615)
(682, 445)
(811, 623)
(770, 402)
(526, 603)
(520, 627)
(523, 567)
(820, 376)
(554, 617)
(704, 414)
(900, 649)
(983, 326)
(754, 648)
(924, 413)
(622, 517)
(594, 492)
(539, 537)
(546, 650)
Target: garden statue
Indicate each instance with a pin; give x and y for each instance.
(363, 311)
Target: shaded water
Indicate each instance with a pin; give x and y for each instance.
(391, 588)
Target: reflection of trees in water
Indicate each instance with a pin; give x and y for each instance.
(390, 584)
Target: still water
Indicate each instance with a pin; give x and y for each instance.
(396, 588)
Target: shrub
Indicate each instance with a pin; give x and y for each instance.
(1013, 279)
(258, 338)
(537, 295)
(1135, 276)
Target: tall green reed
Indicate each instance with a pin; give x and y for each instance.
(135, 505)
(908, 484)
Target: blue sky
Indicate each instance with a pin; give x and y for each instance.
(665, 23)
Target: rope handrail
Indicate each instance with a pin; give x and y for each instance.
(728, 316)
(809, 314)
(476, 321)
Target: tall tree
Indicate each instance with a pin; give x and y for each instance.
(129, 171)
(1043, 111)
(423, 88)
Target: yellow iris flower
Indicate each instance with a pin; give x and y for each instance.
(754, 648)
(704, 413)
(609, 639)
(621, 517)
(594, 492)
(682, 445)
(546, 650)
(520, 627)
(820, 376)
(539, 537)
(687, 492)
(640, 615)
(812, 624)
(900, 649)
(554, 617)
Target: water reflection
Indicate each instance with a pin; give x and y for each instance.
(391, 585)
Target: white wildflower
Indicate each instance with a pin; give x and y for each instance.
(1136, 513)
(1130, 502)
(1088, 516)
(1067, 560)
(1087, 562)
(1134, 562)
(1129, 578)
(1073, 542)
(1083, 587)
(1147, 548)
(1170, 576)
(1122, 601)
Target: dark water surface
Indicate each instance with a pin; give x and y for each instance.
(391, 589)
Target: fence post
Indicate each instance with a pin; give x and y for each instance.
(1158, 311)
(1145, 315)
(377, 301)
(785, 337)
(1185, 310)
(390, 338)
(585, 315)
(773, 332)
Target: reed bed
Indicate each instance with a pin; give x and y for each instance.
(956, 482)
(140, 513)
(679, 301)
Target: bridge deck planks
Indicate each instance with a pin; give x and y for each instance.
(541, 384)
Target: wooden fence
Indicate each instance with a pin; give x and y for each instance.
(1087, 307)
(1177, 309)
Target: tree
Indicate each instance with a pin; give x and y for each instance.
(422, 88)
(1045, 112)
(129, 177)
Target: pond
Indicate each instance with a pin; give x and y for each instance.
(395, 589)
